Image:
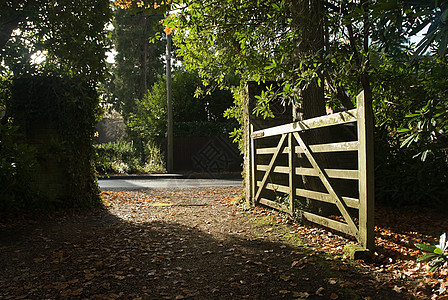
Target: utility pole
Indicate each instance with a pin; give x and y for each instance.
(169, 107)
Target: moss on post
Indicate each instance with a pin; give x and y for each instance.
(355, 252)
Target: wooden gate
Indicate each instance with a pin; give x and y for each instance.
(277, 178)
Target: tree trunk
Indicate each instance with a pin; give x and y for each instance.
(308, 26)
(143, 59)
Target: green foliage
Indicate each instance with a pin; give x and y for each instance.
(138, 63)
(5, 90)
(343, 48)
(122, 158)
(202, 128)
(154, 160)
(148, 122)
(401, 179)
(63, 111)
(202, 116)
(231, 36)
(71, 33)
(116, 158)
(237, 112)
(399, 20)
(190, 104)
(427, 128)
(412, 100)
(410, 111)
(15, 161)
(263, 101)
(437, 255)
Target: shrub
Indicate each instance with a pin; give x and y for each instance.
(116, 158)
(411, 131)
(15, 162)
(122, 158)
(402, 179)
(154, 160)
(46, 143)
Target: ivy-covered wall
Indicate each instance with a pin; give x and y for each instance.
(57, 117)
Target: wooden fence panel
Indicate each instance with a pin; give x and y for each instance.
(292, 144)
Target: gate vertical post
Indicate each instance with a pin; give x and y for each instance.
(366, 172)
(253, 166)
(291, 163)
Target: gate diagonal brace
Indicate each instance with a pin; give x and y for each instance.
(278, 150)
(324, 178)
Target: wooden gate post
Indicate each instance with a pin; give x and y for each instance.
(292, 169)
(253, 167)
(366, 172)
(283, 115)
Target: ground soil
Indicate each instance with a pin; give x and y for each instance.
(186, 244)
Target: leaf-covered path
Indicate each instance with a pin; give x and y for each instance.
(177, 244)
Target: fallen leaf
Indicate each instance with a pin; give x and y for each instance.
(347, 284)
(161, 204)
(301, 295)
(319, 291)
(285, 278)
(61, 286)
(334, 296)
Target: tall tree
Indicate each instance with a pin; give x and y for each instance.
(138, 63)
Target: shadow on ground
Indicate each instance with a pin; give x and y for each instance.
(102, 256)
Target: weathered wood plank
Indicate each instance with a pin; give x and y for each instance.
(324, 197)
(318, 148)
(366, 176)
(277, 169)
(342, 174)
(332, 147)
(261, 151)
(291, 173)
(275, 205)
(253, 163)
(323, 177)
(336, 225)
(332, 173)
(314, 123)
(275, 187)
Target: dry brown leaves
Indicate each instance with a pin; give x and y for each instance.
(395, 258)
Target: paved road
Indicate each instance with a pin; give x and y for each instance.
(154, 183)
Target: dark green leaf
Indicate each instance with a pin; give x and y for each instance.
(425, 247)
